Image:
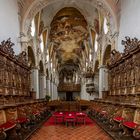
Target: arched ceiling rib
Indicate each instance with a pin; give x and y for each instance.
(31, 7)
(69, 22)
(68, 31)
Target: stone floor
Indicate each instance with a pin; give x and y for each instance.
(61, 132)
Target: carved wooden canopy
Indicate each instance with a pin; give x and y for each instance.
(131, 46)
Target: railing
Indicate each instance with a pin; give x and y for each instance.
(69, 87)
(68, 105)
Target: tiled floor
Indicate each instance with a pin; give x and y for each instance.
(61, 132)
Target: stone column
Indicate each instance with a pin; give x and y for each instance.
(55, 93)
(48, 90)
(35, 81)
(45, 86)
(103, 80)
(84, 94)
(42, 86)
(51, 87)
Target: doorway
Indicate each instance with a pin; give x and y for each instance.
(69, 96)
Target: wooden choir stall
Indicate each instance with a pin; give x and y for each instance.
(19, 113)
(120, 110)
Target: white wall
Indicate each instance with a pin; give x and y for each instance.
(9, 24)
(130, 20)
(84, 94)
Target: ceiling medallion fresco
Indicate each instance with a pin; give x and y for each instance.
(68, 31)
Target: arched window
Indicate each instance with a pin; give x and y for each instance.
(105, 26)
(33, 28)
(96, 43)
(42, 43)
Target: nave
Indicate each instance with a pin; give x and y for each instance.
(51, 131)
(70, 69)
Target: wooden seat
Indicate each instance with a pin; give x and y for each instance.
(132, 123)
(10, 125)
(21, 115)
(2, 121)
(118, 115)
(136, 132)
(128, 121)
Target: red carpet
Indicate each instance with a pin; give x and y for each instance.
(51, 121)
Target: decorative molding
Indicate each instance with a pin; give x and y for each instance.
(124, 76)
(6, 47)
(130, 44)
(22, 58)
(40, 4)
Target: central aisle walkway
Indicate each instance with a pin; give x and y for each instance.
(50, 131)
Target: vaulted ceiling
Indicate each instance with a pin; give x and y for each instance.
(29, 8)
(68, 32)
(67, 23)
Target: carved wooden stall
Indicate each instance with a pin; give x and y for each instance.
(14, 75)
(124, 72)
(124, 92)
(17, 107)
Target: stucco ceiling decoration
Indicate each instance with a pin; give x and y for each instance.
(106, 6)
(68, 30)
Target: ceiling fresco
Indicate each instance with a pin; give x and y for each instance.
(68, 31)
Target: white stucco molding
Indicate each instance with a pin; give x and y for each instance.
(37, 5)
(102, 66)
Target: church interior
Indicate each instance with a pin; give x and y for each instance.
(69, 69)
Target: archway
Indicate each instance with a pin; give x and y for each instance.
(31, 63)
(106, 56)
(48, 83)
(41, 80)
(105, 76)
(36, 6)
(96, 79)
(41, 69)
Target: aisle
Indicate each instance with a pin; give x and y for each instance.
(50, 131)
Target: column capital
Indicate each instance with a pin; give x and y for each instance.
(43, 74)
(35, 68)
(102, 66)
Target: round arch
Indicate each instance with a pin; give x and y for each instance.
(96, 78)
(31, 57)
(41, 68)
(96, 67)
(36, 6)
(106, 55)
(47, 73)
(41, 80)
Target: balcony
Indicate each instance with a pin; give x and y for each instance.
(69, 87)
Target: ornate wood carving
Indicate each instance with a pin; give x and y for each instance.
(14, 74)
(124, 68)
(69, 87)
